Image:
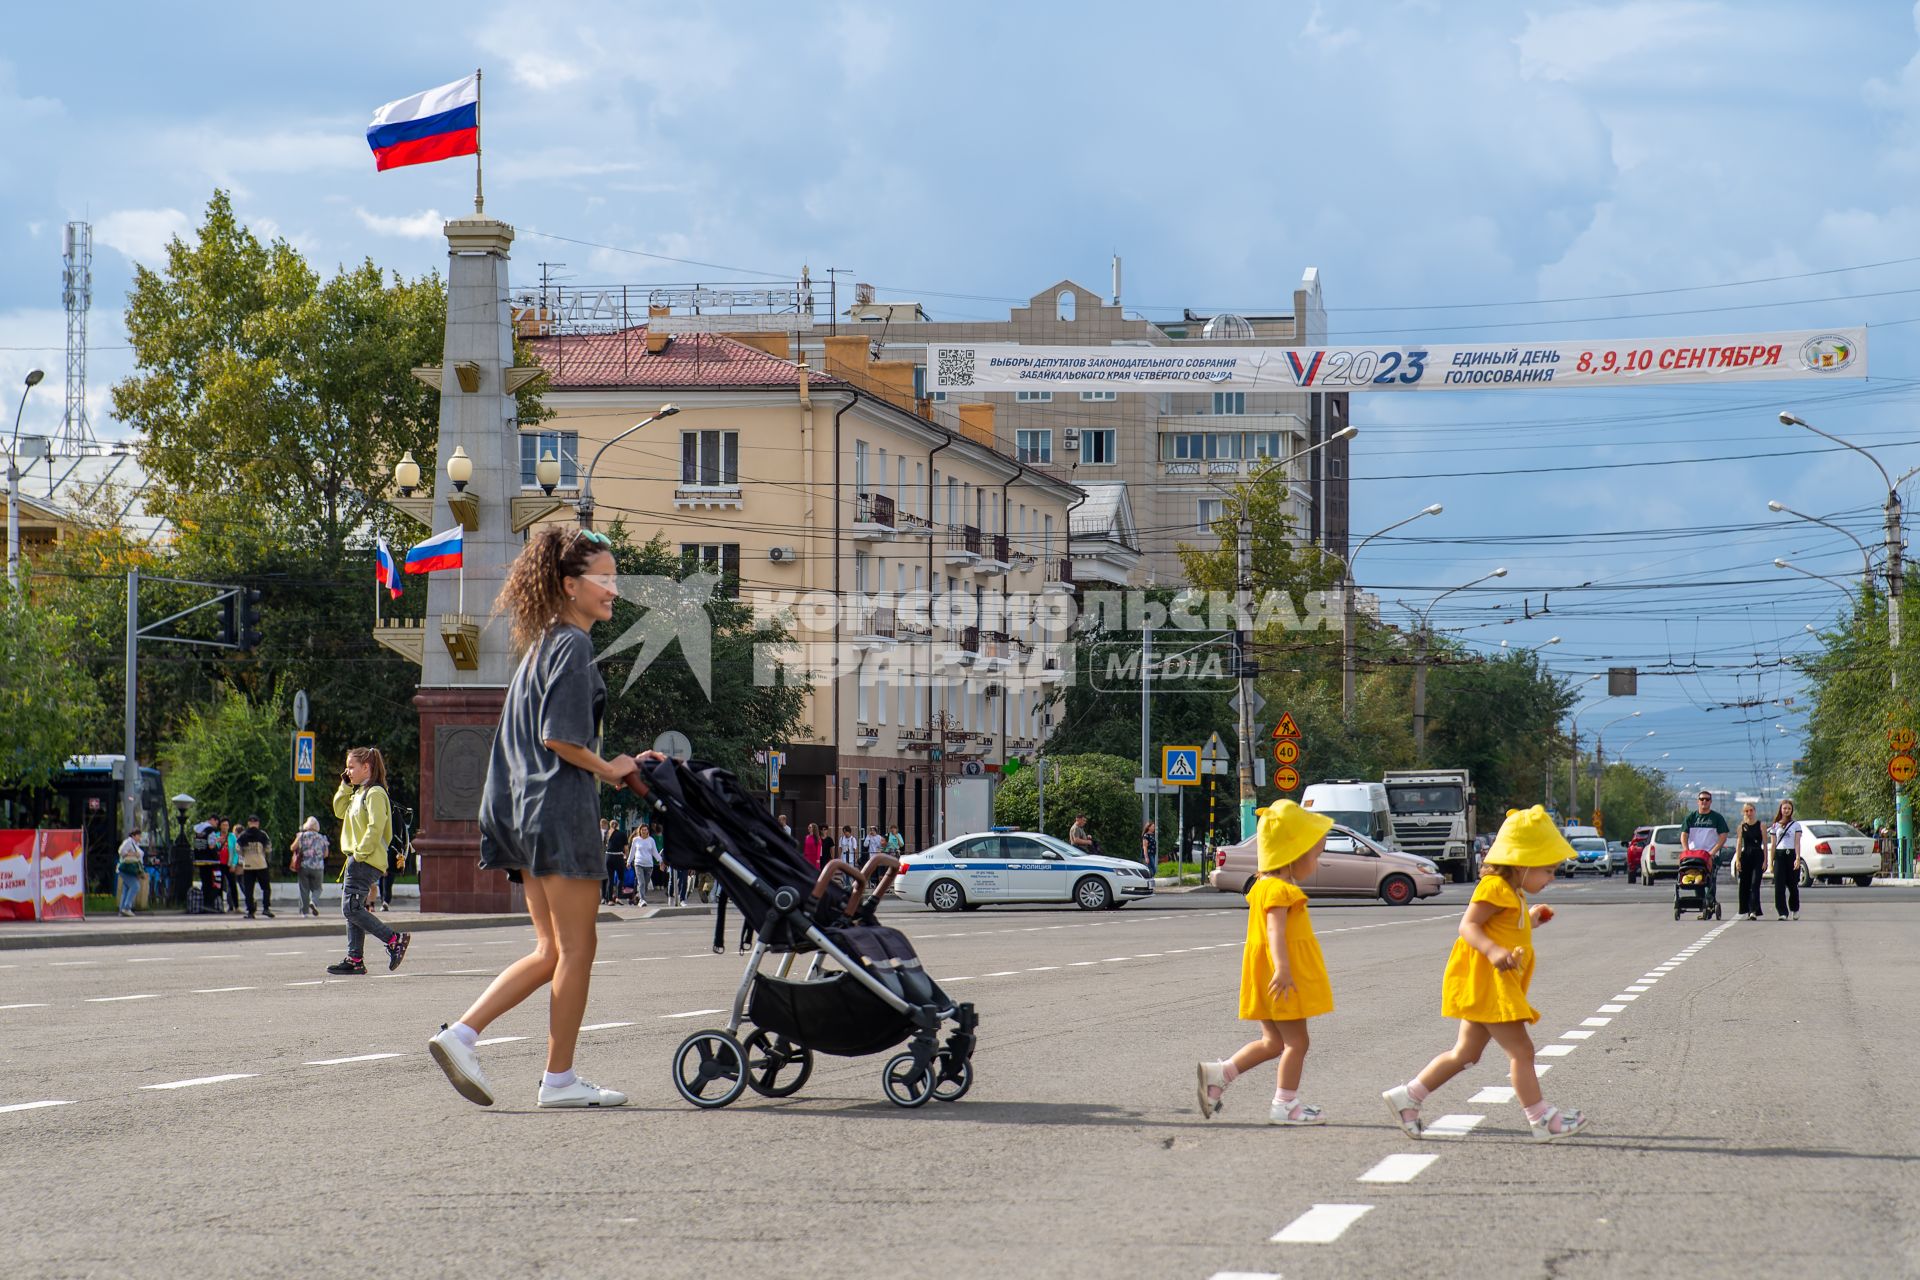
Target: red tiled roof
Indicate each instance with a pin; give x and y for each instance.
(620, 359)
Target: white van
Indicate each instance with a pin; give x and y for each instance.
(1361, 806)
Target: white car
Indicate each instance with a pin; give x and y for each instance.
(1834, 851)
(971, 871)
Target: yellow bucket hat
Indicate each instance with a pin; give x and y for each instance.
(1286, 832)
(1528, 838)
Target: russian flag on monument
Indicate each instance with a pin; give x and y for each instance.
(441, 551)
(384, 571)
(436, 125)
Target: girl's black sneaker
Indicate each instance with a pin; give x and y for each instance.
(397, 950)
(350, 965)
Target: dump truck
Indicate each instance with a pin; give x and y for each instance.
(1433, 817)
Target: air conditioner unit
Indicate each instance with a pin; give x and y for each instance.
(781, 555)
(1072, 438)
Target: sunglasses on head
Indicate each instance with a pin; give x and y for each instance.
(597, 539)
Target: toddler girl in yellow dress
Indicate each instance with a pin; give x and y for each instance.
(1488, 973)
(1283, 979)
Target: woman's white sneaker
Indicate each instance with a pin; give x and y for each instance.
(580, 1093)
(462, 1066)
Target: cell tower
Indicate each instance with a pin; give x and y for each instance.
(76, 433)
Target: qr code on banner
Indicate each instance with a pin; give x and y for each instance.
(956, 367)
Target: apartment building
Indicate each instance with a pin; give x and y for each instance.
(1173, 453)
(889, 539)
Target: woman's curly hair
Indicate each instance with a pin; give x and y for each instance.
(534, 590)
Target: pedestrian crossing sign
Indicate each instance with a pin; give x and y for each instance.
(1180, 766)
(303, 756)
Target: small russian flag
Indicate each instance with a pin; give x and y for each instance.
(436, 125)
(441, 551)
(384, 571)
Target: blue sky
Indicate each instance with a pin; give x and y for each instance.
(1429, 158)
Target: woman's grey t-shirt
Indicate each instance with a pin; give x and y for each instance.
(539, 814)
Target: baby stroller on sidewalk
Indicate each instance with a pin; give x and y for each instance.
(1694, 887)
(863, 990)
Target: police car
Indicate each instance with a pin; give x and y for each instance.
(968, 872)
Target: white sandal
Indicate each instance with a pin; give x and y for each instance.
(1399, 1100)
(1212, 1076)
(1295, 1113)
(1571, 1122)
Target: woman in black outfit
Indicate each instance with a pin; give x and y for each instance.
(1749, 861)
(616, 863)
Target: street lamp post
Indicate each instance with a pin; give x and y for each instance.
(583, 507)
(1866, 558)
(1896, 590)
(1420, 640)
(1346, 606)
(13, 485)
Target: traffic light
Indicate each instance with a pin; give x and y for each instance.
(250, 619)
(228, 633)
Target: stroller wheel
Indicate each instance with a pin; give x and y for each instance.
(906, 1085)
(709, 1069)
(776, 1067)
(951, 1082)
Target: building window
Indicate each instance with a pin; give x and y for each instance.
(920, 391)
(1097, 447)
(1101, 397)
(1033, 397)
(1210, 510)
(1338, 468)
(1200, 447)
(1229, 402)
(1065, 304)
(710, 457)
(563, 445)
(1034, 446)
(722, 558)
(1262, 444)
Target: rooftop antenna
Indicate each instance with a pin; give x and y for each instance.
(76, 433)
(1116, 279)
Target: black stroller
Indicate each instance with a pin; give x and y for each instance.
(875, 996)
(1695, 887)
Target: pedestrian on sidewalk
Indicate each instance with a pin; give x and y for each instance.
(539, 805)
(153, 858)
(1749, 860)
(366, 829)
(230, 863)
(1150, 848)
(254, 848)
(309, 849)
(1783, 847)
(128, 871)
(875, 844)
(1488, 974)
(208, 845)
(1283, 977)
(896, 845)
(810, 847)
(644, 855)
(616, 845)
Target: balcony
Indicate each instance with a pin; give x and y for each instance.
(998, 555)
(865, 735)
(963, 545)
(874, 628)
(916, 739)
(690, 497)
(908, 525)
(1060, 575)
(962, 646)
(873, 516)
(1050, 672)
(995, 650)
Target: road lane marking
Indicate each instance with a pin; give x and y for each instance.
(1641, 988)
(200, 1080)
(150, 960)
(286, 953)
(312, 982)
(35, 1106)
(114, 999)
(470, 971)
(1080, 964)
(214, 991)
(358, 1057)
(1541, 1068)
(1576, 1035)
(1398, 1168)
(1612, 1008)
(497, 1040)
(604, 1026)
(1453, 1126)
(1004, 973)
(1627, 995)
(691, 1013)
(1043, 968)
(1244, 1275)
(1595, 1022)
(69, 964)
(1151, 955)
(1113, 959)
(1554, 1050)
(967, 978)
(1322, 1224)
(1496, 1092)
(22, 1006)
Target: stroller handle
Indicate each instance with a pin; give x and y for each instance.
(840, 867)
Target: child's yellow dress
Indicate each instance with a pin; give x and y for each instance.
(1312, 993)
(1473, 989)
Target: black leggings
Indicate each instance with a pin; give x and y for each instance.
(1786, 887)
(1750, 869)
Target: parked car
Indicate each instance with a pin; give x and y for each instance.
(970, 871)
(1834, 851)
(1589, 858)
(1661, 856)
(1352, 867)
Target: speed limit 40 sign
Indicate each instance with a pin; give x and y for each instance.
(1901, 740)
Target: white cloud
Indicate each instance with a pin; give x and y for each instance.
(142, 234)
(1575, 44)
(428, 224)
(1328, 38)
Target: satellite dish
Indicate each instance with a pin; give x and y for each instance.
(1227, 327)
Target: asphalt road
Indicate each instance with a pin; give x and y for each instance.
(228, 1111)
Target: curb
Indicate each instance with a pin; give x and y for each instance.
(59, 935)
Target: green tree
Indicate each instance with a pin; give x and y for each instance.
(1100, 786)
(233, 757)
(1634, 796)
(1496, 717)
(1843, 772)
(46, 700)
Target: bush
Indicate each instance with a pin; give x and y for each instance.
(234, 757)
(1100, 786)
